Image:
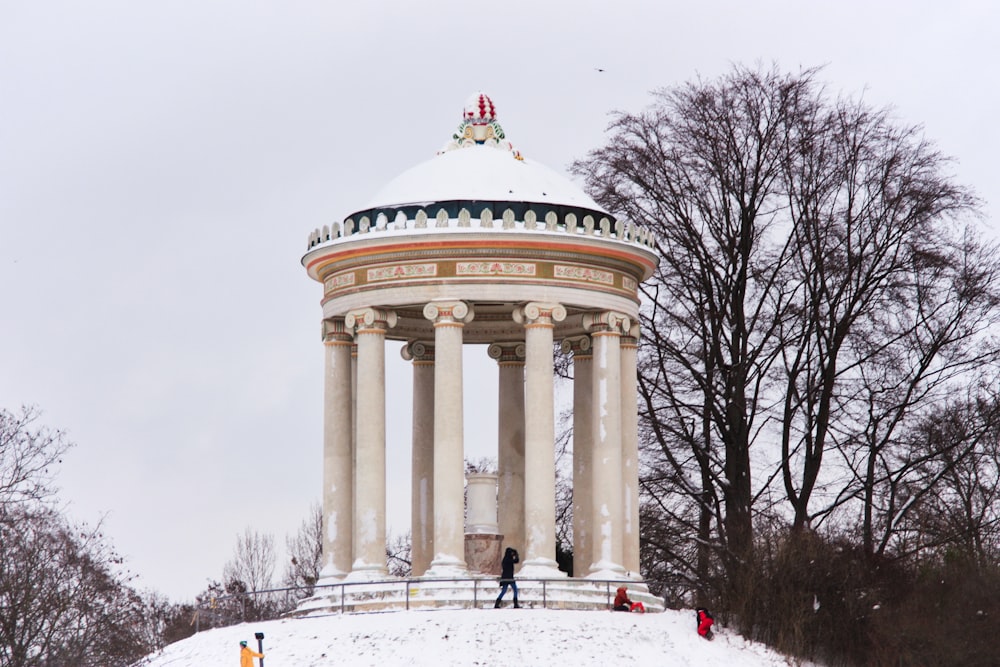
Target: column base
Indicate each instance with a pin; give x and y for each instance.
(608, 570)
(367, 572)
(447, 567)
(330, 575)
(541, 568)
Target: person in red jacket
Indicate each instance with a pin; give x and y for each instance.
(622, 603)
(247, 655)
(705, 622)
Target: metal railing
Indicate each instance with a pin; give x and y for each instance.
(232, 608)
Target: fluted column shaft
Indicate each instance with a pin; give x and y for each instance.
(449, 319)
(422, 464)
(583, 453)
(539, 438)
(630, 451)
(338, 464)
(369, 325)
(607, 436)
(510, 442)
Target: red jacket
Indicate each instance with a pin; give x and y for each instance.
(705, 620)
(622, 597)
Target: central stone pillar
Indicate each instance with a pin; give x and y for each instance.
(369, 326)
(338, 464)
(539, 438)
(606, 487)
(422, 463)
(482, 539)
(449, 319)
(510, 441)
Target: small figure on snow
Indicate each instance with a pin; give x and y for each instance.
(705, 621)
(623, 603)
(247, 655)
(510, 557)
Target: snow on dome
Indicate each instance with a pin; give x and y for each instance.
(481, 174)
(480, 165)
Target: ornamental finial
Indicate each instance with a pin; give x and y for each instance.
(479, 109)
(480, 127)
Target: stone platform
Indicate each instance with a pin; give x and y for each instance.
(469, 593)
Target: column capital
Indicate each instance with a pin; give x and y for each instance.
(417, 350)
(334, 330)
(507, 352)
(439, 312)
(580, 346)
(631, 337)
(536, 312)
(370, 318)
(607, 320)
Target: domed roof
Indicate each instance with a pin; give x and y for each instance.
(480, 165)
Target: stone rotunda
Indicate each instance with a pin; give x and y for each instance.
(480, 245)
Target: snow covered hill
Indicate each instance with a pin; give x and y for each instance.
(518, 638)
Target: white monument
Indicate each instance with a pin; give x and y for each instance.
(480, 245)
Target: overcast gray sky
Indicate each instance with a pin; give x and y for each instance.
(161, 164)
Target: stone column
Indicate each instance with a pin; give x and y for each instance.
(510, 442)
(539, 438)
(583, 453)
(422, 464)
(630, 452)
(607, 491)
(354, 437)
(449, 318)
(369, 325)
(338, 467)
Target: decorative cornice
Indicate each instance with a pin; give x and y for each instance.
(531, 220)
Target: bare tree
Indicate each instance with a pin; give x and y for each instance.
(964, 511)
(305, 553)
(29, 454)
(894, 295)
(820, 286)
(252, 570)
(703, 168)
(398, 555)
(63, 597)
(935, 490)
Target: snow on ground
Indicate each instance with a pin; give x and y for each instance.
(522, 638)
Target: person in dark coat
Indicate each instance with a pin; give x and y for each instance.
(705, 622)
(510, 557)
